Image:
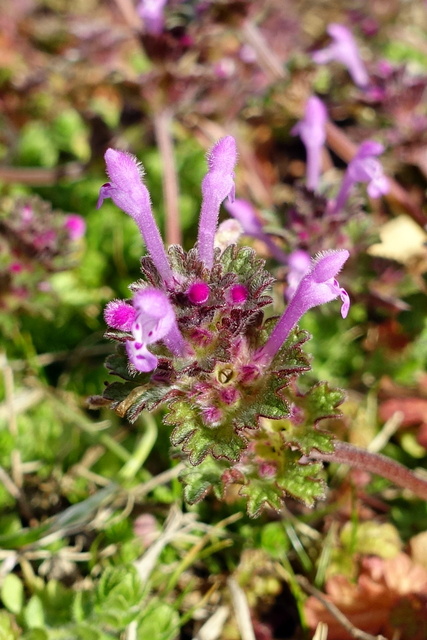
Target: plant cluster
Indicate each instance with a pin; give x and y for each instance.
(226, 372)
(188, 508)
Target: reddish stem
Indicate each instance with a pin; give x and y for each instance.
(162, 128)
(346, 453)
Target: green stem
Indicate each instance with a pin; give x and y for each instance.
(141, 453)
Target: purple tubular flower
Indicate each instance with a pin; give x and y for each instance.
(299, 262)
(243, 212)
(154, 320)
(318, 286)
(312, 132)
(217, 184)
(343, 49)
(364, 167)
(129, 193)
(151, 12)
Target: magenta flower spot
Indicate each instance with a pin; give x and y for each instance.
(312, 131)
(318, 286)
(217, 185)
(198, 293)
(152, 14)
(343, 49)
(16, 267)
(129, 193)
(146, 529)
(364, 167)
(249, 373)
(238, 294)
(76, 226)
(119, 315)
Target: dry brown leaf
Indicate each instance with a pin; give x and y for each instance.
(402, 240)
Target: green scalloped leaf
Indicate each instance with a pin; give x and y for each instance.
(263, 401)
(150, 399)
(260, 495)
(322, 401)
(129, 398)
(308, 437)
(117, 364)
(319, 403)
(198, 481)
(118, 391)
(197, 440)
(243, 261)
(304, 482)
(301, 482)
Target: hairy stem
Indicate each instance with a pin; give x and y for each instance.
(346, 453)
(162, 128)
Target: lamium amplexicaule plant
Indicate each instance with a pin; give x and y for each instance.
(199, 340)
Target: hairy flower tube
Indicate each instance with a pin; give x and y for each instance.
(197, 344)
(217, 185)
(312, 132)
(343, 49)
(129, 193)
(318, 286)
(364, 167)
(299, 262)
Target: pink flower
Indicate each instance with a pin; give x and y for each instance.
(154, 320)
(364, 167)
(152, 14)
(318, 286)
(217, 185)
(129, 193)
(312, 132)
(343, 49)
(76, 226)
(299, 262)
